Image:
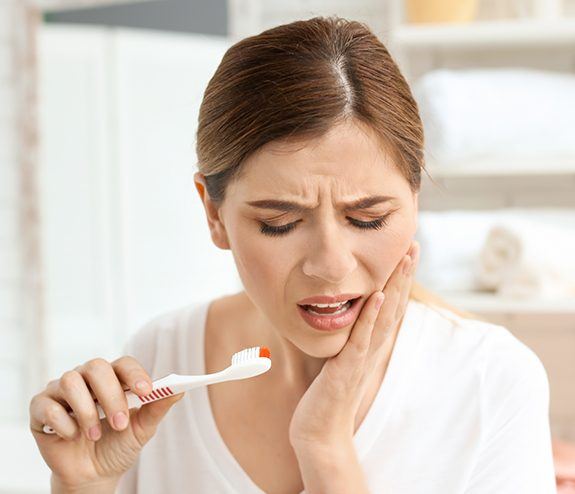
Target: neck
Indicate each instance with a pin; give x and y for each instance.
(291, 367)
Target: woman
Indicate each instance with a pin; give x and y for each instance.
(310, 152)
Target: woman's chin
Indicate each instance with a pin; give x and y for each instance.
(324, 347)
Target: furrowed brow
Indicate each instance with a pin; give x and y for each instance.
(294, 207)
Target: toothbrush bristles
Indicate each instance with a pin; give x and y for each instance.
(250, 353)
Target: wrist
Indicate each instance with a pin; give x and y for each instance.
(59, 486)
(331, 467)
(324, 451)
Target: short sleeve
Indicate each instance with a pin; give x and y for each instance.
(515, 453)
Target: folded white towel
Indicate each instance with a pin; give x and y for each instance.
(451, 242)
(470, 114)
(523, 258)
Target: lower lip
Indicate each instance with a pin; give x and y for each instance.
(331, 323)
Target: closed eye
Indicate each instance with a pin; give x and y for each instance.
(274, 231)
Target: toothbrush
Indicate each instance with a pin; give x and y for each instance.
(249, 362)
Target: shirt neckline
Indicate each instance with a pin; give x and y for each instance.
(389, 393)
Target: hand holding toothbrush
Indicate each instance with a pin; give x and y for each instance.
(84, 453)
(326, 416)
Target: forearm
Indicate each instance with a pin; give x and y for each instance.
(331, 470)
(59, 487)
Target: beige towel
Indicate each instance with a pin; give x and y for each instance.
(523, 258)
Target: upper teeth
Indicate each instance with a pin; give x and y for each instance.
(330, 305)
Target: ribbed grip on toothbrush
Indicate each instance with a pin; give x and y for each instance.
(134, 401)
(156, 394)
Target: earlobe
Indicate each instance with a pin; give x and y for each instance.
(217, 228)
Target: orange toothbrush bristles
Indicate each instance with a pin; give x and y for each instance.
(264, 352)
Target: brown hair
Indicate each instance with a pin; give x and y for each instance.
(294, 82)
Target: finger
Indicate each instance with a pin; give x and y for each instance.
(416, 253)
(108, 390)
(73, 390)
(45, 410)
(359, 339)
(407, 283)
(54, 392)
(393, 290)
(132, 374)
(386, 319)
(404, 299)
(146, 418)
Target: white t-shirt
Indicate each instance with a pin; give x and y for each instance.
(463, 408)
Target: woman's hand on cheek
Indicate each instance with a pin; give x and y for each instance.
(326, 414)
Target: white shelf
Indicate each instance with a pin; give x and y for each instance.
(479, 302)
(486, 34)
(512, 166)
(57, 5)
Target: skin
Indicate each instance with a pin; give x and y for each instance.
(325, 415)
(323, 254)
(327, 380)
(81, 463)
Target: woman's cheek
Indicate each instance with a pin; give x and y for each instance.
(259, 264)
(388, 253)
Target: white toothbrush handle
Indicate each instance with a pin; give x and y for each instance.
(173, 384)
(161, 388)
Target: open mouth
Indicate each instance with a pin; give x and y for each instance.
(331, 309)
(331, 318)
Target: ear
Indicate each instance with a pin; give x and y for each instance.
(416, 209)
(217, 229)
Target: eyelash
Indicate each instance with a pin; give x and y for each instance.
(274, 231)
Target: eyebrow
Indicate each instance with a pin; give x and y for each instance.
(294, 207)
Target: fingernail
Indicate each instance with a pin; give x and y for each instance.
(379, 301)
(120, 420)
(415, 261)
(94, 432)
(142, 386)
(407, 266)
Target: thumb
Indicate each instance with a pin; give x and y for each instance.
(146, 418)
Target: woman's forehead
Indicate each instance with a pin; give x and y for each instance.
(325, 181)
(347, 163)
(355, 175)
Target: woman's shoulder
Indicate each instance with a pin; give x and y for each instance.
(163, 338)
(491, 350)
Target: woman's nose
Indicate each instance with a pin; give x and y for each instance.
(330, 258)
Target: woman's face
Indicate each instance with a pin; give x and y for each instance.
(284, 256)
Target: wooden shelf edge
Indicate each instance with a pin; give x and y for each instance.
(506, 166)
(480, 302)
(486, 33)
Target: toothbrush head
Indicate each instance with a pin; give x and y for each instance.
(250, 354)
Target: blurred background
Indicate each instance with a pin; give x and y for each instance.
(101, 227)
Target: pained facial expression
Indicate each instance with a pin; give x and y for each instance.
(285, 256)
